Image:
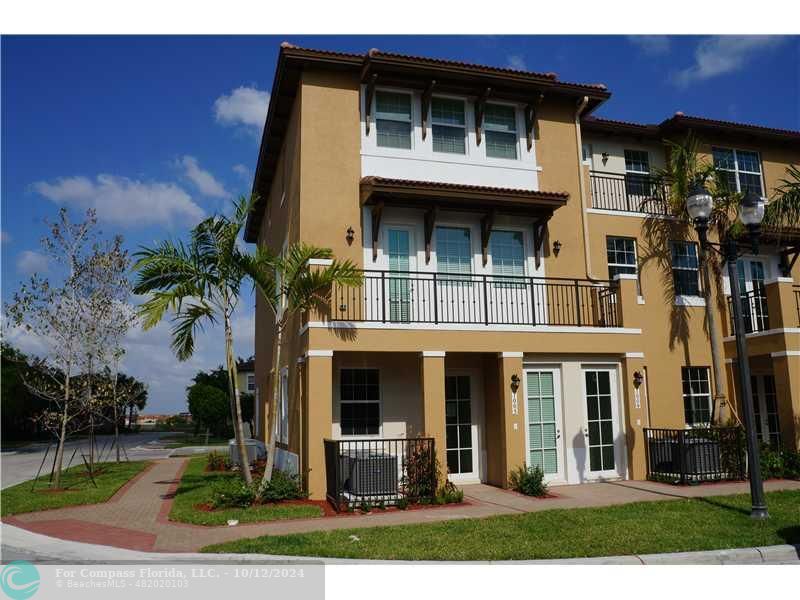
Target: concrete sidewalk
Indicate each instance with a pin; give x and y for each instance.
(136, 518)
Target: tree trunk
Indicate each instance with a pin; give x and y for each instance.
(717, 358)
(62, 437)
(116, 416)
(273, 407)
(236, 405)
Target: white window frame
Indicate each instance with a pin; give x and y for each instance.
(463, 127)
(279, 283)
(634, 171)
(696, 271)
(635, 264)
(282, 422)
(736, 170)
(379, 402)
(411, 118)
(518, 144)
(251, 382)
(692, 396)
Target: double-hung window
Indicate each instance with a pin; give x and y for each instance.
(453, 251)
(637, 172)
(393, 119)
(685, 268)
(359, 394)
(621, 254)
(251, 382)
(741, 169)
(500, 131)
(507, 249)
(696, 396)
(449, 126)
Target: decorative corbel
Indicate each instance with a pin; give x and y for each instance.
(530, 120)
(426, 105)
(377, 212)
(430, 220)
(480, 104)
(539, 230)
(487, 222)
(788, 257)
(368, 100)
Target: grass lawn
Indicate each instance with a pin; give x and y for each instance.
(79, 488)
(195, 488)
(641, 528)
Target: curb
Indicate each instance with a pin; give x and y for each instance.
(48, 549)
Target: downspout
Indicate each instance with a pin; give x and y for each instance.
(582, 103)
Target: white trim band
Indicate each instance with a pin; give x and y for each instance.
(320, 262)
(634, 355)
(777, 331)
(433, 353)
(690, 301)
(627, 213)
(783, 353)
(511, 354)
(779, 280)
(461, 327)
(320, 353)
(630, 276)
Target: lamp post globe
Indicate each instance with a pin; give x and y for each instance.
(699, 203)
(751, 210)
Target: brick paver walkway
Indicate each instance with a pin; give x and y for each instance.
(136, 517)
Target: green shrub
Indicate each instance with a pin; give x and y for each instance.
(771, 462)
(365, 507)
(232, 492)
(449, 494)
(283, 486)
(528, 481)
(402, 503)
(216, 461)
(791, 464)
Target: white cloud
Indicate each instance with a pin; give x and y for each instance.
(30, 262)
(242, 171)
(651, 45)
(203, 180)
(244, 106)
(719, 55)
(123, 201)
(515, 61)
(5, 237)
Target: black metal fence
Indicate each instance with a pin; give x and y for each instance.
(424, 297)
(695, 455)
(629, 192)
(379, 472)
(754, 310)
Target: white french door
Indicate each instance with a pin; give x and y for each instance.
(765, 407)
(399, 282)
(602, 432)
(751, 287)
(462, 427)
(543, 421)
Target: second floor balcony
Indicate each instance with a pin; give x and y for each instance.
(445, 298)
(629, 193)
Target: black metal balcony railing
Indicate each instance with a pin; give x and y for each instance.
(797, 303)
(754, 311)
(421, 297)
(377, 472)
(695, 455)
(632, 193)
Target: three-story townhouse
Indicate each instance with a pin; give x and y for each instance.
(506, 317)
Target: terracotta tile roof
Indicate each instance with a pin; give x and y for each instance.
(386, 181)
(681, 119)
(601, 120)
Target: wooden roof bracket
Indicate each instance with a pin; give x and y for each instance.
(487, 222)
(480, 105)
(539, 233)
(368, 100)
(787, 259)
(426, 105)
(430, 221)
(531, 121)
(377, 212)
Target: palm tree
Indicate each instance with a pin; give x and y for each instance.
(292, 285)
(684, 168)
(200, 283)
(783, 209)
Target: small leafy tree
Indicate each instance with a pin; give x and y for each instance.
(209, 407)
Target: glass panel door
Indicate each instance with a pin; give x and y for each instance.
(765, 406)
(509, 296)
(599, 421)
(458, 424)
(399, 266)
(754, 300)
(457, 290)
(543, 419)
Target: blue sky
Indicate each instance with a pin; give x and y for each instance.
(157, 131)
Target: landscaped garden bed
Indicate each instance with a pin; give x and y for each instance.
(640, 528)
(76, 488)
(197, 499)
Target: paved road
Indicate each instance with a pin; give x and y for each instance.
(21, 464)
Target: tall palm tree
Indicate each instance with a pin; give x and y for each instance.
(783, 209)
(684, 167)
(199, 283)
(291, 285)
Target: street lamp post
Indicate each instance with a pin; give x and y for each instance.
(699, 205)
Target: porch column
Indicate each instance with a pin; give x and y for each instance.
(636, 409)
(512, 413)
(318, 417)
(786, 368)
(433, 403)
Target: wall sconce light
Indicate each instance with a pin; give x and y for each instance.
(351, 235)
(605, 157)
(638, 378)
(556, 247)
(514, 383)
